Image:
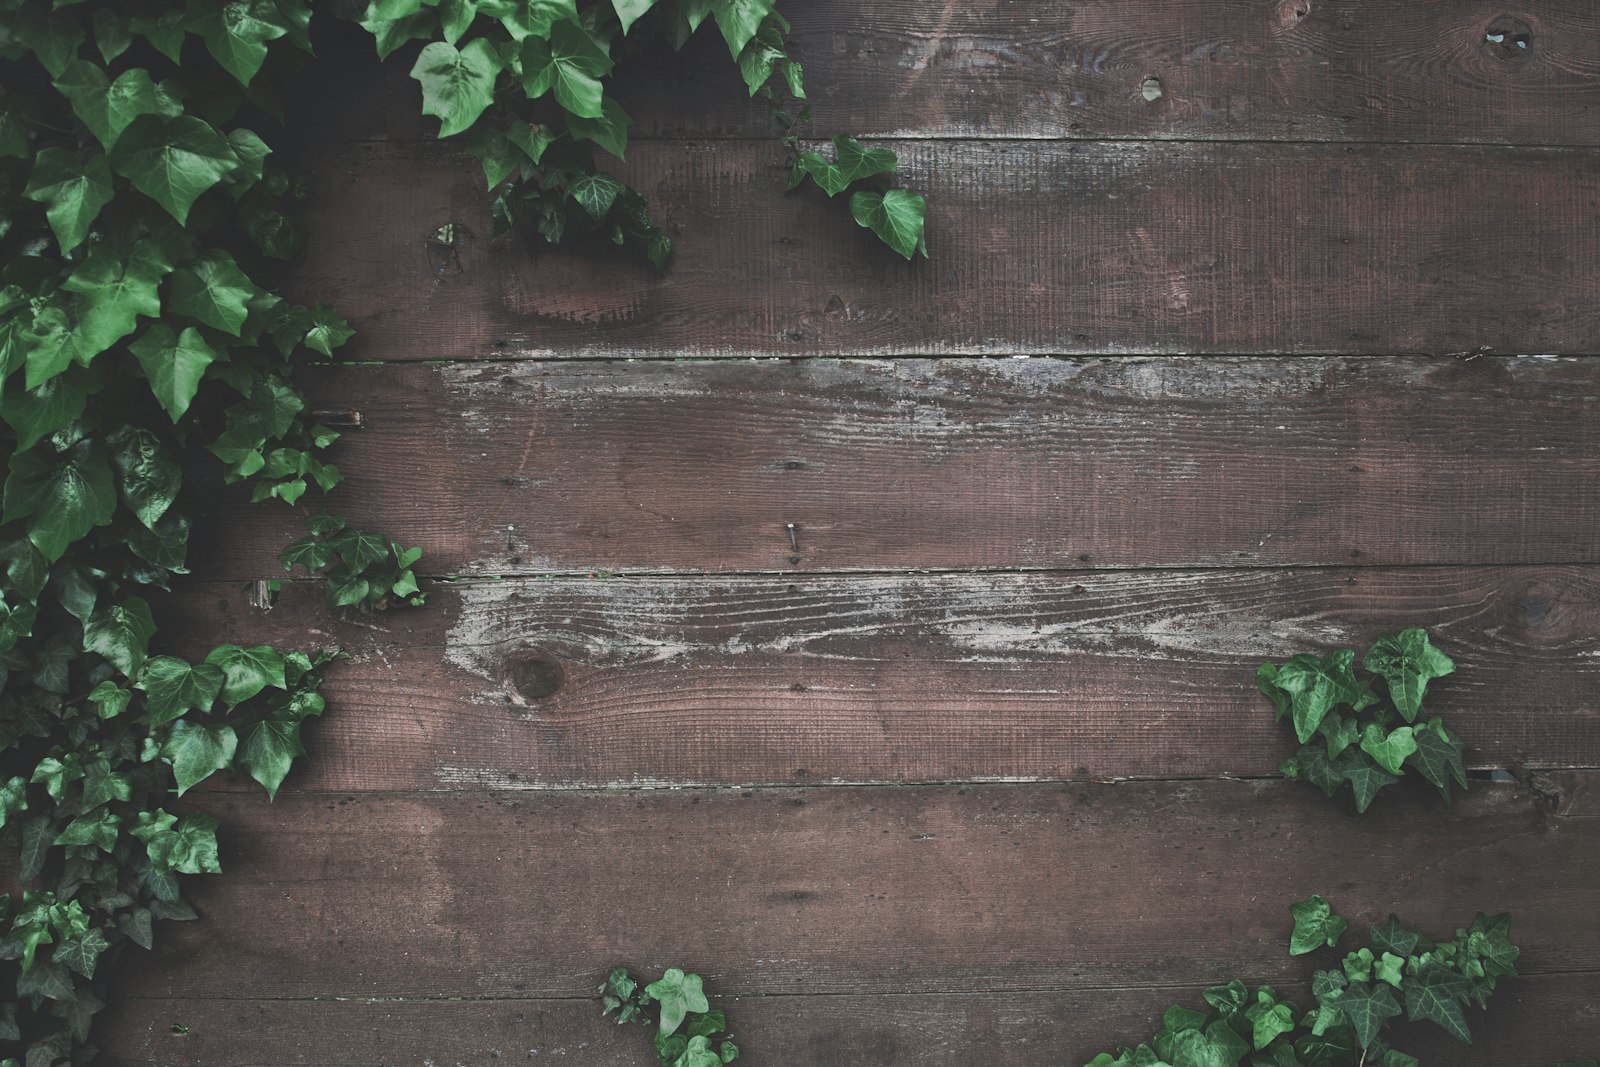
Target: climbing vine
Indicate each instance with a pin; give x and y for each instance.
(687, 1032)
(1366, 746)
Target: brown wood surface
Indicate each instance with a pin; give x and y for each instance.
(1039, 247)
(573, 682)
(981, 888)
(512, 468)
(1033, 1029)
(1305, 70)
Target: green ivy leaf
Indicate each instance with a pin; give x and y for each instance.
(109, 107)
(111, 34)
(630, 11)
(13, 798)
(678, 993)
(73, 190)
(63, 497)
(268, 748)
(37, 413)
(173, 686)
(570, 63)
(1435, 993)
(188, 846)
(97, 828)
(113, 292)
(327, 330)
(1392, 936)
(595, 193)
(895, 216)
(174, 363)
(247, 671)
(1440, 756)
(1408, 662)
(121, 633)
(1368, 1007)
(81, 951)
(609, 131)
(1366, 778)
(173, 161)
(149, 476)
(525, 18)
(196, 752)
(213, 291)
(1388, 748)
(165, 31)
(1315, 926)
(457, 84)
(853, 163)
(739, 21)
(236, 34)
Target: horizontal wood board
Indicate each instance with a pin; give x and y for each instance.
(984, 888)
(1036, 1029)
(1038, 247)
(517, 468)
(1309, 70)
(567, 683)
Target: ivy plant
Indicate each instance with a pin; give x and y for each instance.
(688, 1033)
(525, 85)
(1399, 972)
(144, 363)
(1351, 734)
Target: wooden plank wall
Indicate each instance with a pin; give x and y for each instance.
(973, 771)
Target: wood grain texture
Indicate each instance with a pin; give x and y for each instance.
(867, 890)
(1229, 69)
(1532, 1020)
(573, 683)
(1038, 247)
(511, 468)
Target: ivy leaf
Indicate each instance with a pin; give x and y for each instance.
(174, 363)
(763, 54)
(196, 752)
(113, 291)
(109, 107)
(111, 34)
(97, 828)
(247, 671)
(188, 846)
(63, 497)
(13, 798)
(1439, 756)
(73, 191)
(165, 32)
(173, 686)
(1435, 993)
(570, 63)
(81, 951)
(1388, 749)
(1392, 936)
(531, 137)
(42, 335)
(678, 994)
(595, 193)
(1269, 1018)
(327, 331)
(609, 131)
(1489, 940)
(1317, 686)
(630, 11)
(1407, 661)
(525, 18)
(457, 84)
(1366, 778)
(148, 474)
(267, 750)
(121, 633)
(173, 161)
(37, 413)
(236, 34)
(852, 164)
(895, 216)
(1315, 926)
(739, 20)
(1368, 1007)
(213, 291)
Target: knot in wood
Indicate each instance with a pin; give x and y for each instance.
(1509, 38)
(534, 675)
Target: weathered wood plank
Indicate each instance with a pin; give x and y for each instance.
(510, 468)
(1227, 69)
(839, 890)
(1537, 1020)
(1038, 247)
(573, 683)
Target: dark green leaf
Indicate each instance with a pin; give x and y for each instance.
(1388, 748)
(609, 131)
(213, 291)
(121, 633)
(1435, 993)
(457, 84)
(196, 752)
(63, 497)
(109, 107)
(596, 193)
(1391, 936)
(1439, 756)
(678, 993)
(739, 20)
(236, 34)
(1315, 926)
(571, 63)
(173, 161)
(113, 291)
(327, 330)
(37, 413)
(524, 18)
(97, 828)
(174, 363)
(111, 34)
(247, 671)
(148, 474)
(1366, 778)
(73, 190)
(1317, 686)
(630, 11)
(188, 846)
(267, 750)
(173, 686)
(895, 216)
(1368, 1007)
(1408, 662)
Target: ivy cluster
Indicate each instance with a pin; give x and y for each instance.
(687, 1032)
(1366, 746)
(525, 83)
(142, 366)
(1399, 972)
